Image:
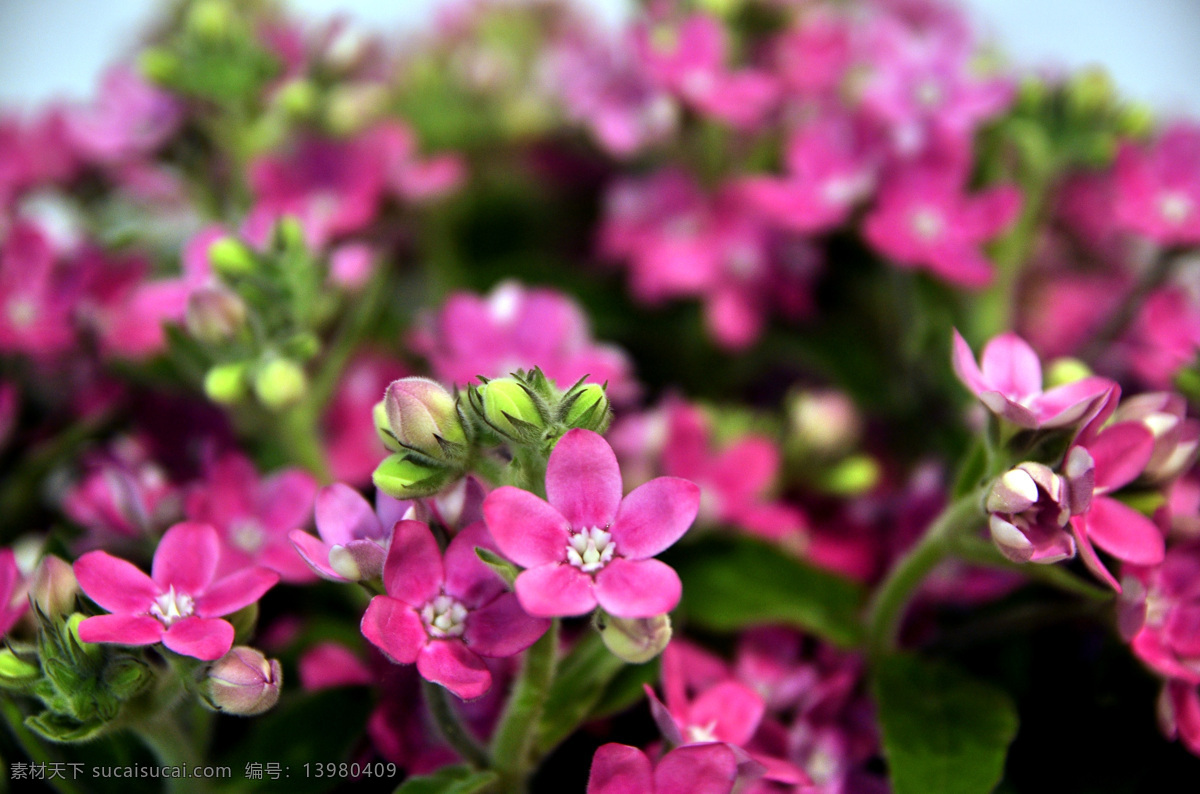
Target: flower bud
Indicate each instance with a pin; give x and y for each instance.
(587, 408)
(280, 383)
(1062, 371)
(351, 108)
(1013, 492)
(209, 19)
(423, 416)
(158, 65)
(53, 588)
(215, 314)
(508, 405)
(15, 672)
(402, 478)
(230, 257)
(244, 682)
(634, 640)
(824, 422)
(226, 383)
(94, 652)
(382, 428)
(298, 98)
(854, 475)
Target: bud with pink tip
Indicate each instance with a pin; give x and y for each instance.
(244, 682)
(54, 587)
(423, 416)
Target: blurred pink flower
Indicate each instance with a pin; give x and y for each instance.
(696, 769)
(13, 589)
(1158, 190)
(130, 118)
(36, 301)
(353, 537)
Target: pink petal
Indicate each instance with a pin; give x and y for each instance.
(697, 769)
(1121, 452)
(186, 557)
(583, 480)
(394, 627)
(654, 516)
(555, 590)
(114, 584)
(965, 367)
(454, 666)
(328, 664)
(286, 499)
(467, 578)
(1010, 366)
(620, 769)
(637, 588)
(413, 571)
(502, 628)
(1182, 630)
(231, 593)
(358, 560)
(732, 707)
(1124, 532)
(1088, 554)
(528, 530)
(121, 629)
(202, 638)
(1067, 404)
(342, 515)
(315, 553)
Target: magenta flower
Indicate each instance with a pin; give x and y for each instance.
(129, 119)
(179, 604)
(1179, 713)
(1159, 613)
(1164, 336)
(696, 769)
(122, 491)
(924, 218)
(1158, 191)
(354, 538)
(36, 302)
(1010, 385)
(13, 588)
(444, 614)
(587, 546)
(253, 516)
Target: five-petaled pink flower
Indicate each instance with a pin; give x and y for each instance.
(179, 604)
(354, 537)
(587, 546)
(695, 769)
(1010, 385)
(444, 614)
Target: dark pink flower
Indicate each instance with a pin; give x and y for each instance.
(925, 219)
(36, 302)
(1158, 191)
(328, 665)
(587, 545)
(1159, 612)
(1164, 337)
(1179, 713)
(122, 491)
(179, 604)
(13, 587)
(445, 613)
(1010, 385)
(354, 538)
(253, 516)
(696, 769)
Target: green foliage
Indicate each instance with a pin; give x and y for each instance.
(450, 780)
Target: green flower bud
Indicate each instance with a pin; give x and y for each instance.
(15, 672)
(1090, 91)
(423, 416)
(401, 477)
(298, 98)
(279, 383)
(209, 19)
(1066, 370)
(636, 640)
(854, 475)
(215, 314)
(93, 652)
(507, 406)
(587, 408)
(230, 257)
(289, 234)
(126, 676)
(383, 428)
(158, 65)
(226, 383)
(244, 682)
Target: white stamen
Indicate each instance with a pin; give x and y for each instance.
(1175, 207)
(591, 549)
(928, 223)
(171, 606)
(444, 617)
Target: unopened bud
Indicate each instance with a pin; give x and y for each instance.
(298, 98)
(71, 628)
(230, 257)
(244, 682)
(289, 234)
(422, 415)
(54, 588)
(507, 405)
(279, 383)
(158, 65)
(226, 383)
(383, 428)
(634, 640)
(588, 409)
(209, 19)
(215, 314)
(1090, 91)
(350, 108)
(854, 475)
(402, 478)
(824, 422)
(1013, 492)
(15, 672)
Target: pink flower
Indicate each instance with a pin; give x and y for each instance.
(327, 665)
(519, 328)
(696, 769)
(1179, 713)
(1030, 506)
(13, 588)
(924, 218)
(1158, 191)
(813, 57)
(1159, 613)
(36, 303)
(179, 604)
(587, 546)
(122, 491)
(253, 517)
(444, 614)
(354, 538)
(1010, 385)
(129, 119)
(1164, 337)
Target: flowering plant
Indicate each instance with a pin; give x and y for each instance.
(766, 396)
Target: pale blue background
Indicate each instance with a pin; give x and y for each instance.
(54, 48)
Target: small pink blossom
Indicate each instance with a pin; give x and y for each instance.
(925, 219)
(445, 613)
(1010, 385)
(36, 301)
(587, 545)
(1158, 190)
(1159, 613)
(179, 604)
(695, 769)
(354, 538)
(130, 118)
(13, 589)
(1164, 337)
(328, 665)
(122, 491)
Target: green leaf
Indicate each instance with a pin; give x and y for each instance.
(503, 568)
(583, 676)
(450, 780)
(943, 731)
(730, 583)
(626, 689)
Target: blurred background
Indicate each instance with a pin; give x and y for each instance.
(57, 48)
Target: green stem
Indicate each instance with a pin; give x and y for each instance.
(171, 746)
(978, 551)
(299, 436)
(513, 743)
(897, 590)
(34, 749)
(451, 726)
(354, 326)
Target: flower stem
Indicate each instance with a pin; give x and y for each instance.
(34, 749)
(513, 742)
(171, 746)
(300, 438)
(891, 600)
(451, 726)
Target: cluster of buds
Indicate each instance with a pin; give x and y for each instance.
(1030, 507)
(434, 434)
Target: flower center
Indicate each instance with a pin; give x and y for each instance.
(927, 224)
(248, 535)
(171, 606)
(590, 549)
(22, 312)
(703, 733)
(444, 617)
(1175, 207)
